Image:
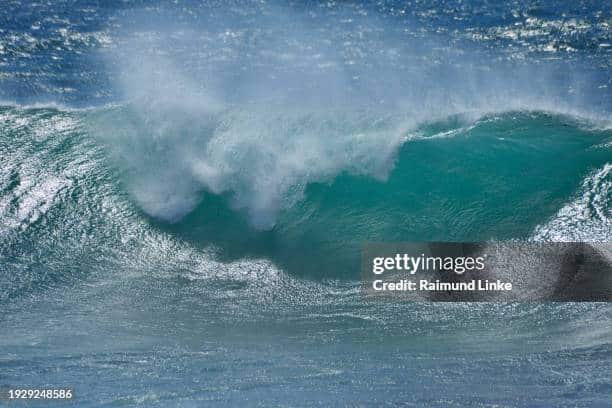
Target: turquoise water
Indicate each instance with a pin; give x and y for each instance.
(185, 191)
(211, 309)
(498, 178)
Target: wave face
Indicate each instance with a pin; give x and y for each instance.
(305, 203)
(185, 189)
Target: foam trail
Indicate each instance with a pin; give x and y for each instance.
(588, 218)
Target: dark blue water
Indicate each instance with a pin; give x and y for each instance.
(185, 188)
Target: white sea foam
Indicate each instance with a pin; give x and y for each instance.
(588, 217)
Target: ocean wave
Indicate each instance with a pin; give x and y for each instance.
(296, 193)
(264, 159)
(186, 187)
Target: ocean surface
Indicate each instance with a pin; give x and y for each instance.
(185, 188)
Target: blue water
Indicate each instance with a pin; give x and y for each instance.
(185, 188)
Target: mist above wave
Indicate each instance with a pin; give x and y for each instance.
(258, 109)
